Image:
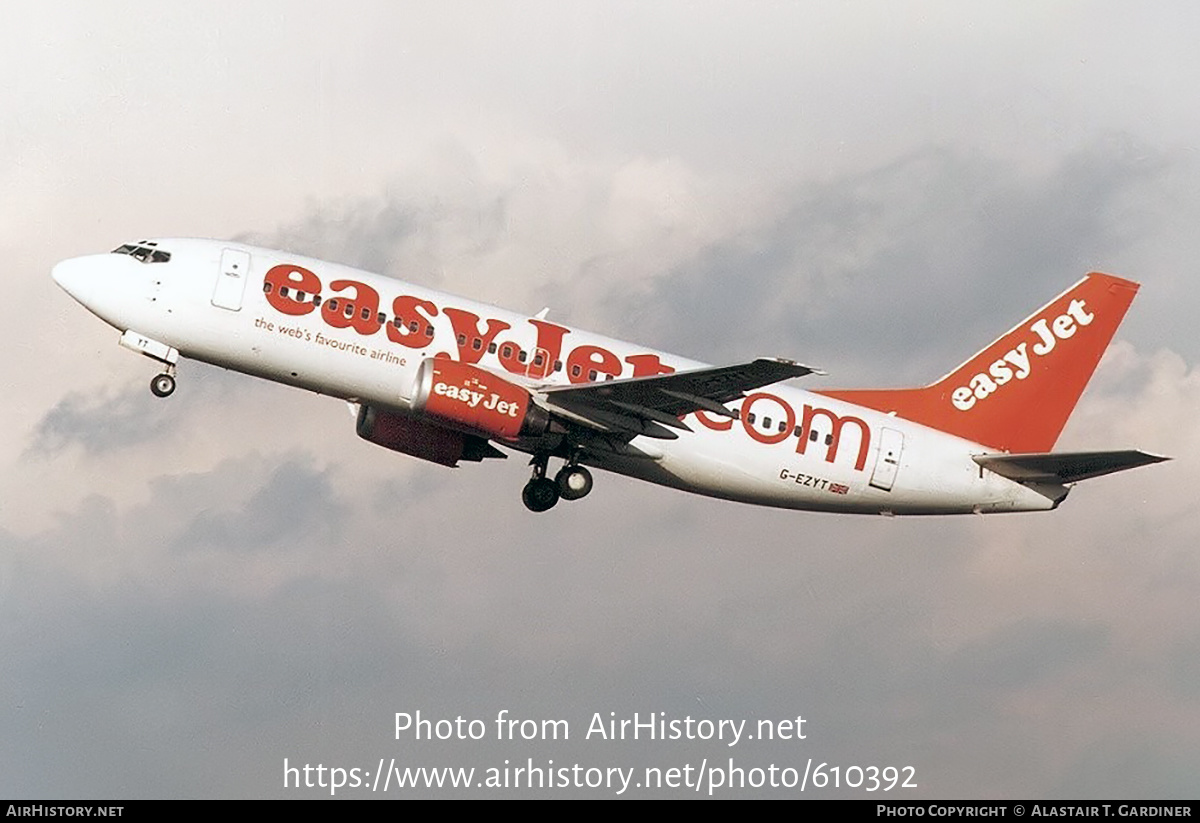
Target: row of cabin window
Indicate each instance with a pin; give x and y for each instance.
(813, 434)
(476, 343)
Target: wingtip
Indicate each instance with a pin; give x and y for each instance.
(800, 369)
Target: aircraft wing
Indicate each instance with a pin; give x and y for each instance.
(1064, 467)
(652, 406)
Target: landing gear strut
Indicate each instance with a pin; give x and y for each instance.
(163, 385)
(540, 493)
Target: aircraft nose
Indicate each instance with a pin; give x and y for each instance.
(71, 277)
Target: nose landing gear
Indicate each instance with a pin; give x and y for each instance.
(163, 384)
(541, 493)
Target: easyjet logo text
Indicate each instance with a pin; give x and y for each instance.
(472, 399)
(350, 304)
(1017, 363)
(768, 418)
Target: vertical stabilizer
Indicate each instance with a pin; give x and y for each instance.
(1017, 393)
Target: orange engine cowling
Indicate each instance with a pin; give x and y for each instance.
(472, 399)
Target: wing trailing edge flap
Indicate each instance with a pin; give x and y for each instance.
(652, 406)
(1064, 467)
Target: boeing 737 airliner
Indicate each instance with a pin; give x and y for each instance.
(446, 379)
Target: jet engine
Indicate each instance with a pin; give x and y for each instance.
(421, 438)
(472, 399)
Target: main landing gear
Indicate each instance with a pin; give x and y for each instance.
(541, 493)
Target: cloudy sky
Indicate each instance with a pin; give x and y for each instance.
(193, 590)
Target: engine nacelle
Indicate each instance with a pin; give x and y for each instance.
(469, 398)
(411, 435)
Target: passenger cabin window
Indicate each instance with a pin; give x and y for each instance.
(145, 251)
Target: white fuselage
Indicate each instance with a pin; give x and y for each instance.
(788, 447)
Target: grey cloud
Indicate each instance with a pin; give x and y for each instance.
(1019, 655)
(1184, 667)
(364, 233)
(408, 230)
(130, 415)
(101, 424)
(295, 502)
(1121, 766)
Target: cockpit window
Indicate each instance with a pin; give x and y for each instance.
(146, 251)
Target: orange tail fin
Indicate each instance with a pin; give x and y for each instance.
(1017, 393)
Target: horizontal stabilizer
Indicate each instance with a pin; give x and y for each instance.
(1064, 467)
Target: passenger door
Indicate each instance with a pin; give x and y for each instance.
(231, 280)
(891, 443)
